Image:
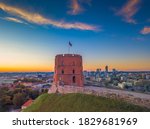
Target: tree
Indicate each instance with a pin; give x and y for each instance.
(19, 99)
(4, 102)
(34, 94)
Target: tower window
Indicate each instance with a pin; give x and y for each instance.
(74, 79)
(73, 71)
(62, 72)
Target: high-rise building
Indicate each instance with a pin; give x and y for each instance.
(69, 70)
(98, 70)
(114, 71)
(106, 69)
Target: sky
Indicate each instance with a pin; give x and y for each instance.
(105, 32)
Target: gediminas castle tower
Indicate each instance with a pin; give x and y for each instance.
(68, 70)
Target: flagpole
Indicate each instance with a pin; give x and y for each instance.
(68, 49)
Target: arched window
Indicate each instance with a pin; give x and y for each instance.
(74, 79)
(73, 71)
(62, 72)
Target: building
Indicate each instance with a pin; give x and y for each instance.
(69, 70)
(114, 71)
(147, 77)
(121, 85)
(106, 69)
(27, 104)
(98, 75)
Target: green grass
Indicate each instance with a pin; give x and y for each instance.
(80, 103)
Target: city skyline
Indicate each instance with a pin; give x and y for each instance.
(33, 32)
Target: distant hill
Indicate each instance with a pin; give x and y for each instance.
(80, 103)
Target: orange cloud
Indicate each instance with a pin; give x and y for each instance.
(129, 10)
(146, 30)
(41, 20)
(75, 6)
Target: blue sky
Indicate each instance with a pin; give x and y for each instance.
(104, 32)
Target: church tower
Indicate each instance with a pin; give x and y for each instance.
(69, 70)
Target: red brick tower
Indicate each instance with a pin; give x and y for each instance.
(69, 70)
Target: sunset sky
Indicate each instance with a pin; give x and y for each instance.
(105, 32)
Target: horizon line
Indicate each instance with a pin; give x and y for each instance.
(83, 71)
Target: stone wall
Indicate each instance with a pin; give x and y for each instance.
(131, 97)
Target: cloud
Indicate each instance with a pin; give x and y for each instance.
(139, 39)
(41, 20)
(146, 30)
(76, 7)
(14, 20)
(129, 10)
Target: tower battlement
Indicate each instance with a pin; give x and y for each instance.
(69, 55)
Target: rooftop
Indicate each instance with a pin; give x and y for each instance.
(28, 103)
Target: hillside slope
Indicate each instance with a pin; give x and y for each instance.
(80, 103)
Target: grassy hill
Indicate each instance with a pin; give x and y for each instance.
(80, 103)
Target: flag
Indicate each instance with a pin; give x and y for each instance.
(70, 44)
